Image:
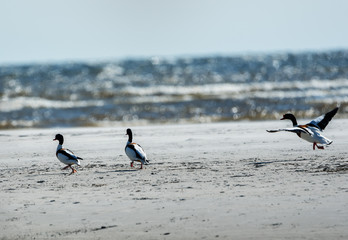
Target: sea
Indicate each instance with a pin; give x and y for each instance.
(160, 90)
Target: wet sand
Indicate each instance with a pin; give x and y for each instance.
(205, 181)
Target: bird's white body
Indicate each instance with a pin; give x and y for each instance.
(315, 136)
(136, 153)
(66, 156)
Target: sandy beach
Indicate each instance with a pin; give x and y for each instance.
(205, 181)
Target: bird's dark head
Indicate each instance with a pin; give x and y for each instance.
(130, 135)
(288, 116)
(60, 138)
(291, 117)
(129, 132)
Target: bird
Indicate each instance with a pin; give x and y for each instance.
(134, 151)
(66, 156)
(311, 131)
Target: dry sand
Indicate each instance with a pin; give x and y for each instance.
(205, 181)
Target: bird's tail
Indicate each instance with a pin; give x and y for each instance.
(146, 161)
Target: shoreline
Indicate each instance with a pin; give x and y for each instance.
(212, 180)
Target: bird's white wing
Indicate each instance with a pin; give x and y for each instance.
(67, 157)
(66, 153)
(135, 151)
(140, 151)
(293, 129)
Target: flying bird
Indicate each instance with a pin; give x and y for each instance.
(311, 131)
(65, 155)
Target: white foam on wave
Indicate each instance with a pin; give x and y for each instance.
(262, 89)
(18, 103)
(313, 90)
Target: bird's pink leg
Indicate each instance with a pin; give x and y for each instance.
(73, 170)
(65, 167)
(319, 147)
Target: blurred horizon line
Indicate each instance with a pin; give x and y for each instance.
(96, 60)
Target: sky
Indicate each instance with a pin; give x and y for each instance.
(36, 31)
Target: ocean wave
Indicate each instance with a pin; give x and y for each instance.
(16, 104)
(177, 90)
(314, 89)
(233, 88)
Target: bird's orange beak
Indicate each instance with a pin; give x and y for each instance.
(54, 139)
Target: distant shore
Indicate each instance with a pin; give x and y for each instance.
(205, 181)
